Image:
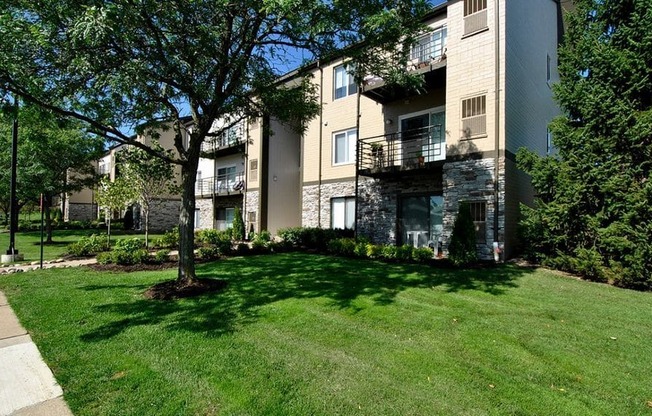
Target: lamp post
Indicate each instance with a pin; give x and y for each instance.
(12, 253)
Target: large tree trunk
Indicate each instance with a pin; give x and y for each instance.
(187, 220)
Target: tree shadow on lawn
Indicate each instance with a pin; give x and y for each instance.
(256, 281)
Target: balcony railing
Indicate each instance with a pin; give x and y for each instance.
(429, 48)
(225, 141)
(228, 184)
(408, 150)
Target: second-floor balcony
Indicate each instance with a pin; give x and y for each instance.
(410, 150)
(228, 184)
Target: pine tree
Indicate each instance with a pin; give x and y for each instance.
(594, 194)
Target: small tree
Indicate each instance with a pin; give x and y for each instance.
(114, 195)
(238, 225)
(151, 178)
(462, 248)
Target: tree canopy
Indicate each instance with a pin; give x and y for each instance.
(131, 63)
(593, 211)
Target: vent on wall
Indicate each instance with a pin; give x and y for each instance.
(475, 16)
(474, 116)
(253, 170)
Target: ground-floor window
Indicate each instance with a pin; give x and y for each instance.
(224, 218)
(197, 218)
(420, 221)
(479, 216)
(343, 212)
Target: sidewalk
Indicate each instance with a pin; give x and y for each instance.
(27, 386)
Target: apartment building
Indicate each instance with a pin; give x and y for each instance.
(82, 205)
(394, 164)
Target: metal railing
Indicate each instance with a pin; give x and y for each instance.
(411, 149)
(230, 183)
(212, 144)
(429, 48)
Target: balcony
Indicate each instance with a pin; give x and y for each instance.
(229, 184)
(229, 143)
(427, 57)
(391, 154)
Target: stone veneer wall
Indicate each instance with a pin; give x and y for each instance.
(252, 204)
(310, 202)
(378, 203)
(473, 181)
(164, 215)
(205, 207)
(81, 212)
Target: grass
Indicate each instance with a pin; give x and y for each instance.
(28, 243)
(298, 334)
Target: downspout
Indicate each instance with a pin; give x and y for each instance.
(496, 242)
(321, 132)
(246, 179)
(357, 158)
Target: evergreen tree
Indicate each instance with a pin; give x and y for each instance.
(462, 249)
(595, 194)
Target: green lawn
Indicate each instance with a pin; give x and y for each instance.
(298, 334)
(28, 243)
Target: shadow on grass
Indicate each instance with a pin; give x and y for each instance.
(260, 280)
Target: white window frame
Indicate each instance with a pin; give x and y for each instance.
(351, 134)
(349, 211)
(548, 142)
(349, 85)
(197, 218)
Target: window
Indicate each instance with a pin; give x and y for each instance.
(224, 218)
(548, 69)
(474, 116)
(197, 218)
(344, 82)
(479, 216)
(429, 47)
(344, 147)
(548, 142)
(475, 16)
(226, 179)
(253, 170)
(343, 213)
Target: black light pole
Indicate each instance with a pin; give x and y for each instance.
(13, 213)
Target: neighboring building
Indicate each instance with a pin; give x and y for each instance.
(81, 206)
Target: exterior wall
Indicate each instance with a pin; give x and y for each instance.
(165, 215)
(473, 181)
(206, 213)
(379, 199)
(531, 37)
(80, 211)
(283, 178)
(316, 203)
(252, 206)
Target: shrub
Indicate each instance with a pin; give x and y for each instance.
(404, 252)
(422, 254)
(238, 229)
(211, 236)
(342, 247)
(162, 256)
(374, 251)
(589, 264)
(242, 249)
(208, 252)
(129, 244)
(462, 249)
(88, 246)
(388, 252)
(170, 239)
(104, 258)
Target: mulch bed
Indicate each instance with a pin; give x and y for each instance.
(118, 268)
(174, 289)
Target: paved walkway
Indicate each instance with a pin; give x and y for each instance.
(27, 386)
